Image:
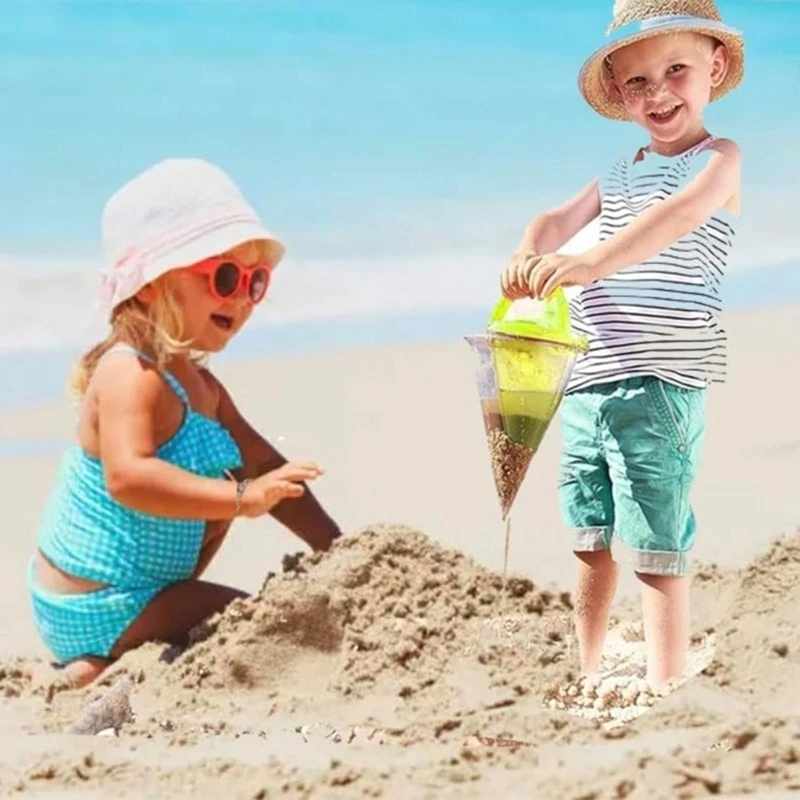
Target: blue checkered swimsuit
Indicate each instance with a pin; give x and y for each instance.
(87, 533)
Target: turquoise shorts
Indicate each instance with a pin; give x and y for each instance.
(631, 452)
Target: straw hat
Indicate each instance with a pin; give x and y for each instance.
(173, 214)
(636, 20)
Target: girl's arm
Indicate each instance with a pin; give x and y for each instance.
(128, 396)
(304, 516)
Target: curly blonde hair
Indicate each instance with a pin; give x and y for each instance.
(155, 327)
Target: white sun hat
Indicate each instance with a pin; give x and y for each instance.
(172, 215)
(636, 20)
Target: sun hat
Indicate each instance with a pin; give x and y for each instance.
(636, 20)
(173, 214)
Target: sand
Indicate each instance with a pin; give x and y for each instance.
(392, 665)
(398, 664)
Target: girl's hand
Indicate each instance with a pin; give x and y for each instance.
(515, 278)
(265, 492)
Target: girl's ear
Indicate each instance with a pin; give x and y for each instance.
(720, 64)
(146, 294)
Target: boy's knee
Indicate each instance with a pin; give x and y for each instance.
(596, 558)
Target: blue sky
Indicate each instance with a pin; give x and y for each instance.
(363, 130)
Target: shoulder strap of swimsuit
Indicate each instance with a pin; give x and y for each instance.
(702, 145)
(171, 380)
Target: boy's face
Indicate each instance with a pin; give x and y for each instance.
(665, 82)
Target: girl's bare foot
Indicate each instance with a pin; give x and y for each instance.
(50, 679)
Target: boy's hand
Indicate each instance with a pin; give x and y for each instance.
(554, 270)
(265, 492)
(514, 280)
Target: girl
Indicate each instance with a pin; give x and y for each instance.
(633, 418)
(163, 461)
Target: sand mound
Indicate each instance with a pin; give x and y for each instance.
(389, 606)
(15, 678)
(759, 639)
(390, 662)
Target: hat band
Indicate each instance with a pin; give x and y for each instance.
(672, 21)
(184, 234)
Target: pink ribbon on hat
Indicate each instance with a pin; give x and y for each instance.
(123, 280)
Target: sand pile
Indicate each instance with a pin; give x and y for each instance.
(387, 614)
(390, 664)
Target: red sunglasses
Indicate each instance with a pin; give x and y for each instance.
(227, 276)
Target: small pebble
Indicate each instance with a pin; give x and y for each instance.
(606, 689)
(630, 694)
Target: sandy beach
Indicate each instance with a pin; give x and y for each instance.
(400, 664)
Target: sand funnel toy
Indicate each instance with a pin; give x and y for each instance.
(524, 364)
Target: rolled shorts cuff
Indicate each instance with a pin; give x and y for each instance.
(592, 539)
(660, 562)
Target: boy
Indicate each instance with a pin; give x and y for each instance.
(633, 416)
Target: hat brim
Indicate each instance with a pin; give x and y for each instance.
(594, 80)
(194, 247)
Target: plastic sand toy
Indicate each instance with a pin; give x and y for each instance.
(524, 364)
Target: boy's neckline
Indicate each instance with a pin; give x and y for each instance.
(646, 152)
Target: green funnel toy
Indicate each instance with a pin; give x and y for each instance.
(524, 365)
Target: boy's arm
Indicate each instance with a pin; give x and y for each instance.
(547, 233)
(553, 229)
(666, 222)
(304, 516)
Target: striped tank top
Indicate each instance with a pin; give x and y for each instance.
(660, 317)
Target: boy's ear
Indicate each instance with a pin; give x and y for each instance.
(720, 64)
(610, 83)
(613, 90)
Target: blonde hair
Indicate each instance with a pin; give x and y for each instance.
(155, 327)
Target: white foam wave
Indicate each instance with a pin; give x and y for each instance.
(49, 302)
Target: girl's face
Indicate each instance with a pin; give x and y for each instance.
(665, 83)
(209, 321)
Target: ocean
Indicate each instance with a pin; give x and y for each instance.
(44, 330)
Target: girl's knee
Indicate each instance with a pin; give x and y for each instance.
(216, 530)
